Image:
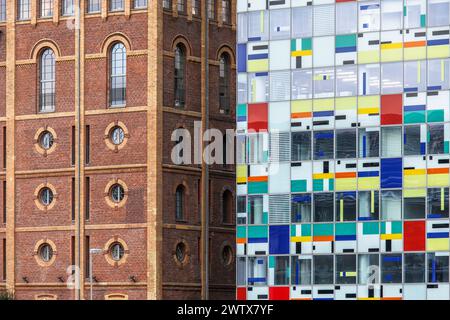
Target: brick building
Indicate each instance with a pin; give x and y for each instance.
(86, 115)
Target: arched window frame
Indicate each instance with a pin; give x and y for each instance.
(47, 80)
(180, 75)
(227, 206)
(180, 194)
(117, 75)
(224, 83)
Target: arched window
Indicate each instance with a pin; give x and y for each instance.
(227, 206)
(47, 81)
(226, 11)
(118, 75)
(179, 203)
(224, 83)
(180, 63)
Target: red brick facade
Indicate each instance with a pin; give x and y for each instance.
(68, 222)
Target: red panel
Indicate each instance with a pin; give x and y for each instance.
(258, 116)
(241, 294)
(414, 235)
(279, 293)
(391, 109)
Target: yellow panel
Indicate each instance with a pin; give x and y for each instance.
(438, 52)
(369, 183)
(323, 104)
(391, 55)
(346, 103)
(391, 46)
(368, 110)
(368, 56)
(345, 184)
(241, 172)
(301, 53)
(396, 236)
(438, 244)
(323, 175)
(414, 181)
(368, 102)
(258, 65)
(414, 193)
(438, 180)
(301, 106)
(301, 239)
(414, 53)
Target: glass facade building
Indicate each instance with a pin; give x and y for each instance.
(343, 149)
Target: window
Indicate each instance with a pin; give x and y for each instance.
(138, 4)
(414, 268)
(23, 9)
(47, 81)
(94, 6)
(346, 143)
(280, 26)
(391, 142)
(302, 86)
(438, 13)
(117, 193)
(346, 78)
(118, 74)
(116, 251)
(180, 6)
(180, 61)
(68, 8)
(324, 82)
(179, 203)
(241, 210)
(2, 10)
(391, 14)
(323, 20)
(281, 270)
(346, 18)
(436, 143)
(226, 11)
(45, 252)
(117, 135)
(438, 76)
(369, 16)
(256, 142)
(195, 7)
(257, 271)
(300, 270)
(391, 205)
(369, 79)
(46, 8)
(46, 140)
(345, 269)
(256, 214)
(258, 25)
(415, 13)
(323, 207)
(437, 203)
(227, 206)
(167, 4)
(367, 268)
(391, 268)
(301, 208)
(368, 144)
(323, 269)
(241, 271)
(301, 146)
(368, 205)
(180, 252)
(224, 83)
(345, 206)
(116, 5)
(414, 203)
(46, 196)
(323, 145)
(414, 81)
(211, 9)
(302, 22)
(411, 141)
(392, 77)
(437, 267)
(87, 144)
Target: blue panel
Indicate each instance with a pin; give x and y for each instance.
(279, 239)
(242, 58)
(391, 173)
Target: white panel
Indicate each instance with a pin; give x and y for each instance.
(415, 292)
(279, 116)
(323, 49)
(279, 177)
(279, 55)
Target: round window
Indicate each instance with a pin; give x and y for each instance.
(117, 193)
(46, 196)
(46, 140)
(117, 135)
(45, 252)
(227, 255)
(180, 252)
(116, 251)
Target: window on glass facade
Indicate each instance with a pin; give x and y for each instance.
(118, 75)
(94, 6)
(367, 265)
(346, 143)
(323, 269)
(436, 143)
(256, 143)
(281, 269)
(46, 7)
(301, 146)
(392, 77)
(414, 267)
(437, 203)
(438, 74)
(323, 207)
(369, 79)
(414, 204)
(302, 22)
(301, 207)
(323, 145)
(179, 87)
(257, 271)
(116, 5)
(224, 83)
(226, 11)
(301, 269)
(414, 81)
(412, 144)
(346, 18)
(391, 268)
(391, 204)
(415, 13)
(346, 79)
(391, 14)
(437, 267)
(345, 206)
(368, 143)
(345, 269)
(241, 210)
(301, 84)
(391, 142)
(255, 210)
(368, 205)
(438, 13)
(47, 77)
(241, 271)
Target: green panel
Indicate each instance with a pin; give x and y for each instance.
(318, 185)
(306, 230)
(331, 184)
(346, 41)
(371, 228)
(257, 231)
(423, 19)
(293, 230)
(257, 187)
(414, 117)
(293, 44)
(306, 44)
(345, 229)
(298, 185)
(265, 217)
(241, 232)
(446, 146)
(396, 227)
(271, 262)
(435, 115)
(241, 110)
(323, 229)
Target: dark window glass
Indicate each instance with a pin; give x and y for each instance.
(411, 141)
(301, 207)
(179, 203)
(437, 268)
(300, 270)
(436, 138)
(281, 271)
(323, 269)
(224, 83)
(118, 74)
(323, 207)
(256, 214)
(301, 146)
(391, 268)
(368, 143)
(180, 60)
(346, 143)
(368, 205)
(47, 81)
(414, 267)
(345, 206)
(414, 206)
(437, 203)
(346, 269)
(323, 145)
